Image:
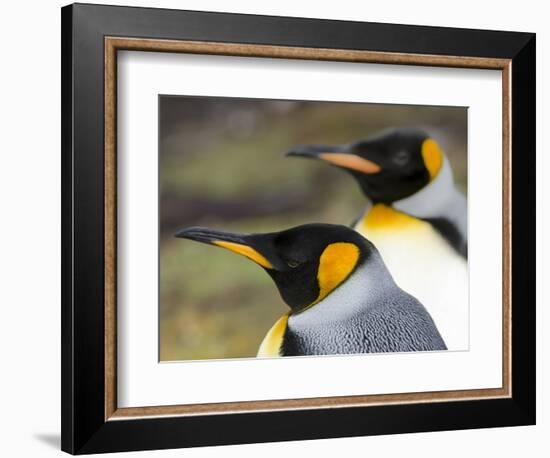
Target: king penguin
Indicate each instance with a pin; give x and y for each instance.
(342, 299)
(415, 216)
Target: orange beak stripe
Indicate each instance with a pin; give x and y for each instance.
(245, 250)
(351, 161)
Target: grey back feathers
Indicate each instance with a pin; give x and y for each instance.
(368, 313)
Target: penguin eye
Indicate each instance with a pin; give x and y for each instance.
(401, 158)
(292, 263)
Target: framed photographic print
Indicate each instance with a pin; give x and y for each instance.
(281, 228)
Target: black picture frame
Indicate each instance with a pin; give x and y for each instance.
(84, 426)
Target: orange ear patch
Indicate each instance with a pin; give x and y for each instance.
(336, 263)
(433, 157)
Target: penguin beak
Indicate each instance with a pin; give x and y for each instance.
(339, 156)
(254, 247)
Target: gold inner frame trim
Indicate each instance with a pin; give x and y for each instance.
(114, 44)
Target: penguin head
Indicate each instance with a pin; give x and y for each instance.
(306, 262)
(388, 167)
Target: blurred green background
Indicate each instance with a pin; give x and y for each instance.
(222, 165)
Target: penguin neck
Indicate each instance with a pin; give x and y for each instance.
(439, 199)
(362, 289)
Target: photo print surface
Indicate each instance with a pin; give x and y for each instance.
(301, 228)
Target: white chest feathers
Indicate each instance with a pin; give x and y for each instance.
(423, 264)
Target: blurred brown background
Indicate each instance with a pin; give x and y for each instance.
(222, 165)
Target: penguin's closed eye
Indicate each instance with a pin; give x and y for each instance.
(401, 157)
(292, 263)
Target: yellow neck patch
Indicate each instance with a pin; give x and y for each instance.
(336, 263)
(245, 250)
(273, 340)
(433, 157)
(381, 216)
